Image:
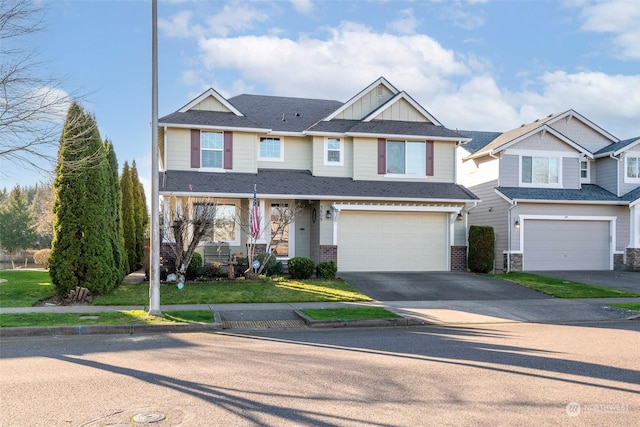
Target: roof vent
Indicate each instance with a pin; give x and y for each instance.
(297, 114)
(283, 119)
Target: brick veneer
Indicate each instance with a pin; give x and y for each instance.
(329, 253)
(458, 258)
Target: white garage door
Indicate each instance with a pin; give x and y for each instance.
(392, 241)
(566, 245)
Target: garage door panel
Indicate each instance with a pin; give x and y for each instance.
(392, 241)
(566, 245)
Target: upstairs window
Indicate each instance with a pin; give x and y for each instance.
(406, 158)
(271, 149)
(544, 171)
(584, 171)
(632, 168)
(211, 149)
(333, 152)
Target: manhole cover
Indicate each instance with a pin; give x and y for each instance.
(148, 417)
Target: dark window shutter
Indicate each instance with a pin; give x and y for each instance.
(382, 156)
(429, 168)
(195, 148)
(228, 150)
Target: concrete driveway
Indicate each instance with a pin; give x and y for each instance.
(625, 280)
(436, 286)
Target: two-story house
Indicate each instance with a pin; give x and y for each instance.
(372, 180)
(561, 193)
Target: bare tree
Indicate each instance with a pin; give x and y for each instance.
(32, 103)
(189, 220)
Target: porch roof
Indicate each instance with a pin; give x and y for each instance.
(301, 184)
(588, 193)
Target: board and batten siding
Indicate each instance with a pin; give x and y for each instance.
(366, 104)
(402, 111)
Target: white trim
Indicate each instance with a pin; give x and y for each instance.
(236, 203)
(414, 137)
(271, 159)
(612, 229)
(349, 103)
(587, 179)
(523, 184)
(211, 92)
(569, 114)
(625, 178)
(544, 153)
(291, 228)
(326, 152)
(396, 98)
(221, 150)
(395, 208)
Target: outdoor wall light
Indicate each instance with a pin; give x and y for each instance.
(328, 214)
(459, 216)
(516, 224)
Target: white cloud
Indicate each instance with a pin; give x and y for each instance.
(405, 24)
(620, 19)
(235, 17)
(179, 26)
(458, 13)
(303, 6)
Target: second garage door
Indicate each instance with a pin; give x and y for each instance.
(392, 241)
(566, 245)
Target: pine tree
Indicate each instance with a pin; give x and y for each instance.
(128, 216)
(117, 237)
(141, 215)
(81, 253)
(17, 230)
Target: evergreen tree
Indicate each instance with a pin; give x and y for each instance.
(117, 237)
(128, 216)
(141, 215)
(41, 207)
(81, 253)
(17, 231)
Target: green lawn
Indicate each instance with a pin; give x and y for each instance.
(630, 306)
(350, 313)
(561, 288)
(132, 317)
(24, 288)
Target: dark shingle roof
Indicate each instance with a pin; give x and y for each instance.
(392, 127)
(588, 193)
(479, 139)
(632, 195)
(299, 113)
(300, 183)
(616, 146)
(208, 118)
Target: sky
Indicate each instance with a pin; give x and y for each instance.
(474, 65)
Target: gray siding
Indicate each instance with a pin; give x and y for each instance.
(509, 171)
(570, 173)
(607, 174)
(625, 187)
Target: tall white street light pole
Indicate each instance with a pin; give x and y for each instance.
(154, 262)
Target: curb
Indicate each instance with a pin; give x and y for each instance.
(359, 323)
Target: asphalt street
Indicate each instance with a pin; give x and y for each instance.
(501, 374)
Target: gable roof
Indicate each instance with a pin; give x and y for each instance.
(349, 103)
(572, 113)
(394, 100)
(206, 94)
(301, 184)
(617, 148)
(479, 139)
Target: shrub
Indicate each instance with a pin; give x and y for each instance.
(211, 270)
(194, 266)
(41, 258)
(301, 267)
(273, 266)
(326, 270)
(481, 249)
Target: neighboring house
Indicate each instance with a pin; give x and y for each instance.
(561, 194)
(373, 179)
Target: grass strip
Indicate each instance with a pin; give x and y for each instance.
(350, 313)
(628, 306)
(24, 288)
(130, 317)
(561, 288)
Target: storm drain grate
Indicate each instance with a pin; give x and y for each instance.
(263, 324)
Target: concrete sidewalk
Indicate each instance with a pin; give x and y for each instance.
(283, 315)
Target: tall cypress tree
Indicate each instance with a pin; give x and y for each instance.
(128, 216)
(117, 238)
(141, 215)
(81, 253)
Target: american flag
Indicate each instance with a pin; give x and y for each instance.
(254, 216)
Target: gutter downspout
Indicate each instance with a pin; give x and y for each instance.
(611, 155)
(513, 205)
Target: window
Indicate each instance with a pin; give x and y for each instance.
(271, 149)
(632, 168)
(211, 146)
(224, 224)
(584, 170)
(540, 170)
(333, 152)
(406, 158)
